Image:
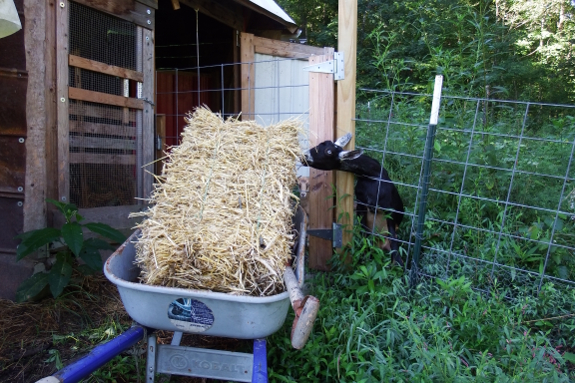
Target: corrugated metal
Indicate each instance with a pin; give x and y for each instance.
(12, 166)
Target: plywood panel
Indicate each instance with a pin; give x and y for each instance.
(13, 88)
(12, 164)
(12, 213)
(280, 89)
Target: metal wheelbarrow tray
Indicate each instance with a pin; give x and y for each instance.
(192, 311)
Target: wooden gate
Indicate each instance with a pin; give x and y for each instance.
(258, 102)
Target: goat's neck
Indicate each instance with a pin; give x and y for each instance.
(362, 166)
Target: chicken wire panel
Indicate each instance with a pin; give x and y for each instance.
(103, 161)
(105, 140)
(501, 202)
(104, 38)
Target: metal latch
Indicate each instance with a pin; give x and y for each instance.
(335, 66)
(335, 234)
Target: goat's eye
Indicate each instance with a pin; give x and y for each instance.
(328, 152)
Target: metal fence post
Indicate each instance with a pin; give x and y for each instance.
(424, 186)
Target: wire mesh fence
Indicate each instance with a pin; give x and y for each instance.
(501, 202)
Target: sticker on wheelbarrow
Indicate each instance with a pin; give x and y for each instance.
(190, 315)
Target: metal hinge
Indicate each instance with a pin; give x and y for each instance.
(335, 66)
(334, 234)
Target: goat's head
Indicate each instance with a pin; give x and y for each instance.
(328, 155)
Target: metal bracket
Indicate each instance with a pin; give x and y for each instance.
(335, 66)
(335, 234)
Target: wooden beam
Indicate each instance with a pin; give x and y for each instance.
(131, 11)
(62, 102)
(100, 67)
(161, 135)
(247, 53)
(148, 69)
(321, 122)
(102, 143)
(347, 43)
(284, 49)
(230, 14)
(175, 5)
(105, 98)
(104, 129)
(109, 159)
(34, 181)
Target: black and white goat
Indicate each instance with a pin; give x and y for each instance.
(373, 188)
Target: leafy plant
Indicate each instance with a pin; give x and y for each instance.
(69, 247)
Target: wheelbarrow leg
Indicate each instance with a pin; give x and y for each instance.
(260, 367)
(151, 360)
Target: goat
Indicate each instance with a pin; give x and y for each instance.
(370, 191)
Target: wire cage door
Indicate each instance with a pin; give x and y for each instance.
(107, 124)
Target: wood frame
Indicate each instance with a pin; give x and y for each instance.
(347, 43)
(249, 46)
(144, 106)
(321, 119)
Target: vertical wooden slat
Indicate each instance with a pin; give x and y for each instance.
(62, 101)
(347, 43)
(161, 133)
(247, 52)
(321, 122)
(51, 105)
(148, 118)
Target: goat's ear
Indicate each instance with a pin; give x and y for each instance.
(342, 141)
(350, 154)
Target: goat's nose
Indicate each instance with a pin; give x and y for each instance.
(306, 158)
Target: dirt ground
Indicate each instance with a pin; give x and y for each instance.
(29, 331)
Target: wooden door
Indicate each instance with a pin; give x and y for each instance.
(274, 89)
(105, 105)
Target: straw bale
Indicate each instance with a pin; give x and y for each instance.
(221, 214)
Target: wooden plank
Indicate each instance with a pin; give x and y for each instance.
(99, 67)
(51, 115)
(229, 14)
(107, 129)
(33, 149)
(100, 111)
(109, 159)
(347, 43)
(284, 49)
(175, 5)
(161, 135)
(247, 54)
(62, 102)
(105, 98)
(149, 3)
(131, 11)
(148, 112)
(321, 122)
(102, 143)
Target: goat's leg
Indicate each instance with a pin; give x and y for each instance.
(395, 257)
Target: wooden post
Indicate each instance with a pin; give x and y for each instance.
(347, 43)
(321, 122)
(148, 112)
(62, 102)
(161, 133)
(247, 53)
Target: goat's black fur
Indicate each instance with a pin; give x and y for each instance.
(371, 176)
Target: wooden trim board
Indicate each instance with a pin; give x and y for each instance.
(321, 122)
(99, 67)
(105, 98)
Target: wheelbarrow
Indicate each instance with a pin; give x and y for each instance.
(200, 312)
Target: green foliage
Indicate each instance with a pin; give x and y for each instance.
(69, 246)
(372, 327)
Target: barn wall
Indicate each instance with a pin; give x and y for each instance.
(14, 82)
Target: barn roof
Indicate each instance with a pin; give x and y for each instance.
(271, 9)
